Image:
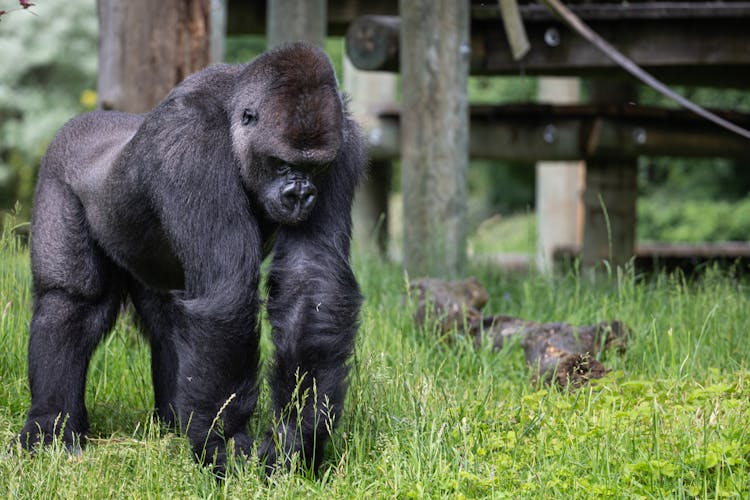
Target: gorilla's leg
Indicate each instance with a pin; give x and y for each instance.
(77, 298)
(313, 306)
(152, 309)
(65, 329)
(216, 377)
(204, 367)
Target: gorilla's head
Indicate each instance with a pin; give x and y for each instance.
(287, 119)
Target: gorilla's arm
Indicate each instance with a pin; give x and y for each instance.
(206, 332)
(313, 307)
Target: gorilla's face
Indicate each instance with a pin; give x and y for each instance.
(286, 137)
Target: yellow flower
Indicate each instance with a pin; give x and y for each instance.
(88, 99)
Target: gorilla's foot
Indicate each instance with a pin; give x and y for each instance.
(283, 448)
(219, 455)
(43, 430)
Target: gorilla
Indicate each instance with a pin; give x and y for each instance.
(174, 211)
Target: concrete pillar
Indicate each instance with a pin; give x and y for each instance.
(368, 91)
(559, 185)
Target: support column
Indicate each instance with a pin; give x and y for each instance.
(295, 20)
(559, 185)
(218, 29)
(434, 67)
(369, 90)
(610, 195)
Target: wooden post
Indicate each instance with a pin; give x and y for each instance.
(558, 185)
(218, 29)
(434, 134)
(294, 20)
(367, 92)
(610, 194)
(146, 48)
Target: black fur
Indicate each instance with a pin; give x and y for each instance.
(174, 209)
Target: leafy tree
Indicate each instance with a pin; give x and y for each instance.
(48, 76)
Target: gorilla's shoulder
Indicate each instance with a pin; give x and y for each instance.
(96, 125)
(101, 118)
(217, 79)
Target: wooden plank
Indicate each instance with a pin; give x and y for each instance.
(559, 185)
(527, 133)
(370, 212)
(250, 17)
(687, 257)
(653, 44)
(615, 10)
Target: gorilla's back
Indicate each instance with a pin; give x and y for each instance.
(118, 216)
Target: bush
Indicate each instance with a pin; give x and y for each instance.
(693, 220)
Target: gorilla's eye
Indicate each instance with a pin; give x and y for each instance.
(320, 169)
(249, 117)
(282, 169)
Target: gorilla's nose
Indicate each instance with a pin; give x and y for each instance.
(299, 193)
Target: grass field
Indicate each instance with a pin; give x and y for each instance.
(428, 420)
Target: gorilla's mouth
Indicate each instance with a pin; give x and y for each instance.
(292, 210)
(296, 198)
(296, 214)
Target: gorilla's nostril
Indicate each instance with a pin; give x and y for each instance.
(308, 200)
(289, 188)
(298, 194)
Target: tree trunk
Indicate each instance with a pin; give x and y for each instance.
(146, 48)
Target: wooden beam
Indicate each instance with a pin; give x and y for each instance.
(687, 257)
(614, 11)
(527, 133)
(697, 50)
(250, 17)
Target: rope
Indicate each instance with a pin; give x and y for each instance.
(600, 43)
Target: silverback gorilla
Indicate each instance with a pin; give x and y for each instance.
(175, 210)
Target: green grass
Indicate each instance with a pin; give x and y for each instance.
(515, 233)
(428, 420)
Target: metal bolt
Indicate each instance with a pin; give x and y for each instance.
(550, 134)
(376, 135)
(640, 136)
(552, 37)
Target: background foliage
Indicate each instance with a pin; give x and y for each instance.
(48, 74)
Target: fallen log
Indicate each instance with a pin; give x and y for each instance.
(558, 352)
(449, 304)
